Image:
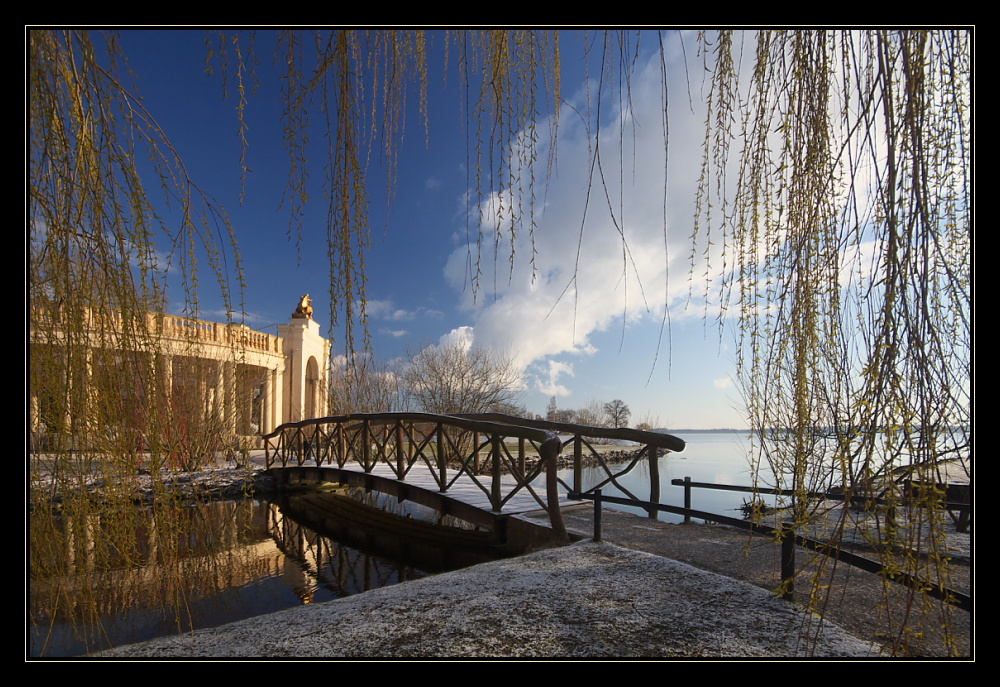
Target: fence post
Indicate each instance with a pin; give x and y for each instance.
(597, 515)
(497, 474)
(400, 448)
(788, 561)
(687, 500)
(578, 463)
(442, 459)
(341, 446)
(366, 447)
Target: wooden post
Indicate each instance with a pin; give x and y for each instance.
(366, 447)
(577, 464)
(598, 508)
(442, 459)
(341, 446)
(687, 499)
(322, 446)
(495, 495)
(400, 458)
(788, 561)
(549, 453)
(654, 478)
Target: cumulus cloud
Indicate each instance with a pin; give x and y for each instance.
(547, 381)
(461, 337)
(607, 245)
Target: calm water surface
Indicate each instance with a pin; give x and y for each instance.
(233, 560)
(716, 457)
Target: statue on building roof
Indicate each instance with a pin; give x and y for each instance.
(304, 311)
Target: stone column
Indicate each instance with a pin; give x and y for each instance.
(302, 343)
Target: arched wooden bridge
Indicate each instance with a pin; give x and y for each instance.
(476, 467)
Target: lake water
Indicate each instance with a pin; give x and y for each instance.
(713, 457)
(243, 559)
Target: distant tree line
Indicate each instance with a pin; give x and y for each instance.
(594, 414)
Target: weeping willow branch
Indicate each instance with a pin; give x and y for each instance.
(834, 199)
(100, 244)
(849, 228)
(112, 210)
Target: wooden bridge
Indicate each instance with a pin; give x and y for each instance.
(481, 468)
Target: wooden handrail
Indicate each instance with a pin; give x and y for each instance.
(658, 439)
(468, 422)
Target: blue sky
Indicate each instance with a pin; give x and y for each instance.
(601, 342)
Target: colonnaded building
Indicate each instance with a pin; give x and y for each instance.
(246, 382)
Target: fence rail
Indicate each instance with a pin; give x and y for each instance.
(786, 534)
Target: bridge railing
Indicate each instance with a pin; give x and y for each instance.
(582, 441)
(475, 445)
(449, 446)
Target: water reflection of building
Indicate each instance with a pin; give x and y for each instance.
(248, 380)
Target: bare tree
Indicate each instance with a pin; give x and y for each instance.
(363, 384)
(617, 413)
(457, 378)
(592, 414)
(648, 422)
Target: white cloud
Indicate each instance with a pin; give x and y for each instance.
(619, 253)
(547, 379)
(462, 337)
(723, 383)
(386, 310)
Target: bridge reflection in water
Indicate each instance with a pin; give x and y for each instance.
(304, 523)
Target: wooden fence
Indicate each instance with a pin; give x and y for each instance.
(786, 532)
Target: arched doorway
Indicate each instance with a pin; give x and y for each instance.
(312, 389)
